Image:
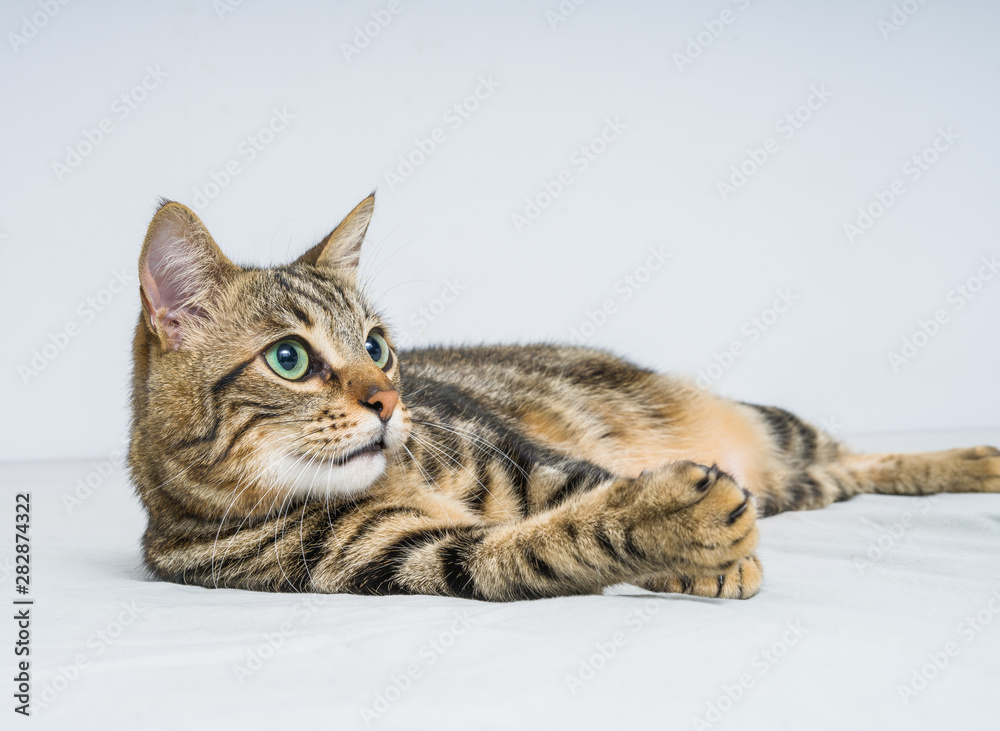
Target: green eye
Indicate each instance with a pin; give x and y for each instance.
(288, 359)
(377, 349)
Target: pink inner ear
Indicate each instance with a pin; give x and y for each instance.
(172, 286)
(162, 317)
(170, 281)
(182, 271)
(350, 258)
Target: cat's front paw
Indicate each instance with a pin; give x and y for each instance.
(742, 581)
(696, 520)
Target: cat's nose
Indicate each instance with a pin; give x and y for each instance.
(382, 402)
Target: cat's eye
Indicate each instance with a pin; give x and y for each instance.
(288, 359)
(377, 349)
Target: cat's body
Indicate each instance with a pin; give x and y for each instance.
(497, 473)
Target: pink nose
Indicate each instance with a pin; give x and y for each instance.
(382, 402)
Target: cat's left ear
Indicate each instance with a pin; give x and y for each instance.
(341, 249)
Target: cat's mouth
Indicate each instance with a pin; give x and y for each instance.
(344, 474)
(371, 449)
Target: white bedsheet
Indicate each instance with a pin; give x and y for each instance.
(840, 627)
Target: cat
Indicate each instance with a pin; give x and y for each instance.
(280, 442)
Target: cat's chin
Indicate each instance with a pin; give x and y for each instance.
(308, 476)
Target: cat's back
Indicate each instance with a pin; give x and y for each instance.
(508, 379)
(479, 366)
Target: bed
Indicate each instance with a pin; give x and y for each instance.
(878, 613)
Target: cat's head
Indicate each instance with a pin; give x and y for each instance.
(277, 382)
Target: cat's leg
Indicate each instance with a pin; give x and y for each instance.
(816, 471)
(741, 581)
(682, 518)
(974, 469)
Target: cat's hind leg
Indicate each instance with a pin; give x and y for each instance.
(814, 470)
(973, 469)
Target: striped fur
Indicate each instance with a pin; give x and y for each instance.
(501, 473)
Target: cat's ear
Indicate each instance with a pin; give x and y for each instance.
(181, 272)
(341, 249)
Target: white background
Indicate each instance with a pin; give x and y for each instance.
(62, 240)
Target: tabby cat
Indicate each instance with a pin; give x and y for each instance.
(280, 442)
